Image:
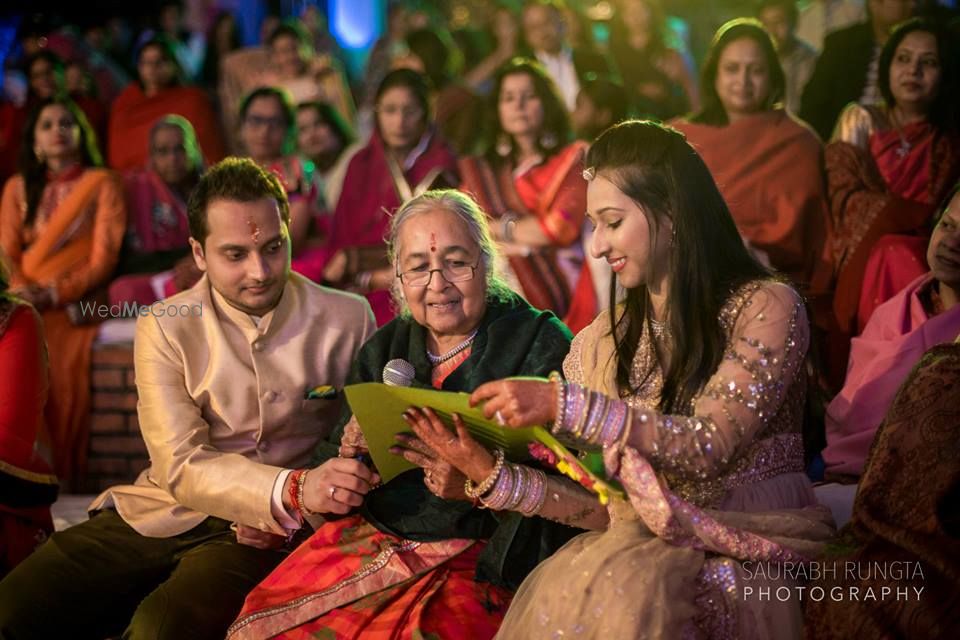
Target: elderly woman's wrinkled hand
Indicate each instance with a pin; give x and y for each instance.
(352, 444)
(439, 476)
(456, 448)
(517, 403)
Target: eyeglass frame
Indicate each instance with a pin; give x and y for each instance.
(430, 272)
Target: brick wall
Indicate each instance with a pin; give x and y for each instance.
(117, 452)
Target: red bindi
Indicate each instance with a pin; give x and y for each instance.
(254, 230)
(433, 242)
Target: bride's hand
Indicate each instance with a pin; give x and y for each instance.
(517, 403)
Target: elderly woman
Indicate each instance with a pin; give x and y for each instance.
(419, 559)
(926, 312)
(529, 182)
(158, 232)
(158, 92)
(889, 166)
(27, 484)
(750, 142)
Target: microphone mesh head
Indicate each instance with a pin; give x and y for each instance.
(398, 373)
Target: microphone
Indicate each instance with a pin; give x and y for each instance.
(398, 373)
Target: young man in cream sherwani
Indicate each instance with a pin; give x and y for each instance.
(225, 413)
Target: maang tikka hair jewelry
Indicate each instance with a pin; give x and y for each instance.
(589, 173)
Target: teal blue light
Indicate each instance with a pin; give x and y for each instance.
(356, 23)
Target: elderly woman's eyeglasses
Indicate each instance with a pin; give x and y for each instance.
(452, 272)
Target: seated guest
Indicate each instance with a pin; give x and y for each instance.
(27, 484)
(889, 166)
(289, 62)
(779, 18)
(326, 144)
(657, 78)
(457, 109)
(768, 165)
(62, 221)
(224, 413)
(848, 68)
(460, 327)
(158, 232)
(406, 156)
(904, 518)
(546, 41)
(529, 181)
(267, 135)
(158, 92)
(46, 78)
(600, 105)
(671, 384)
(924, 314)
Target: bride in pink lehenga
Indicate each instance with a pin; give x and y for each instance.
(693, 387)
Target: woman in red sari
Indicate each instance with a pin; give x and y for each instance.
(27, 483)
(61, 224)
(405, 157)
(158, 232)
(889, 166)
(529, 181)
(157, 93)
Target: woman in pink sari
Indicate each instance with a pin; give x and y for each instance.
(405, 157)
(923, 314)
(693, 388)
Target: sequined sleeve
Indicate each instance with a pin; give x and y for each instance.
(768, 342)
(572, 365)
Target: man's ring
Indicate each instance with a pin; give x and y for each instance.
(500, 419)
(333, 490)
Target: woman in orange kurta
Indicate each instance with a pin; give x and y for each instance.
(768, 165)
(61, 225)
(529, 182)
(156, 94)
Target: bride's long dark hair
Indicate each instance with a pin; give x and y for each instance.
(656, 167)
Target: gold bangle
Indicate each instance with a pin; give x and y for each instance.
(476, 490)
(301, 481)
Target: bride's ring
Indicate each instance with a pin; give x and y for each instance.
(332, 491)
(500, 420)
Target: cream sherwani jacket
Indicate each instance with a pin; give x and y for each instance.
(222, 403)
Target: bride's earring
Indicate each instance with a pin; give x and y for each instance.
(503, 146)
(41, 158)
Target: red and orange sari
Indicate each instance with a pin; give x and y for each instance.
(555, 193)
(880, 183)
(72, 247)
(352, 596)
